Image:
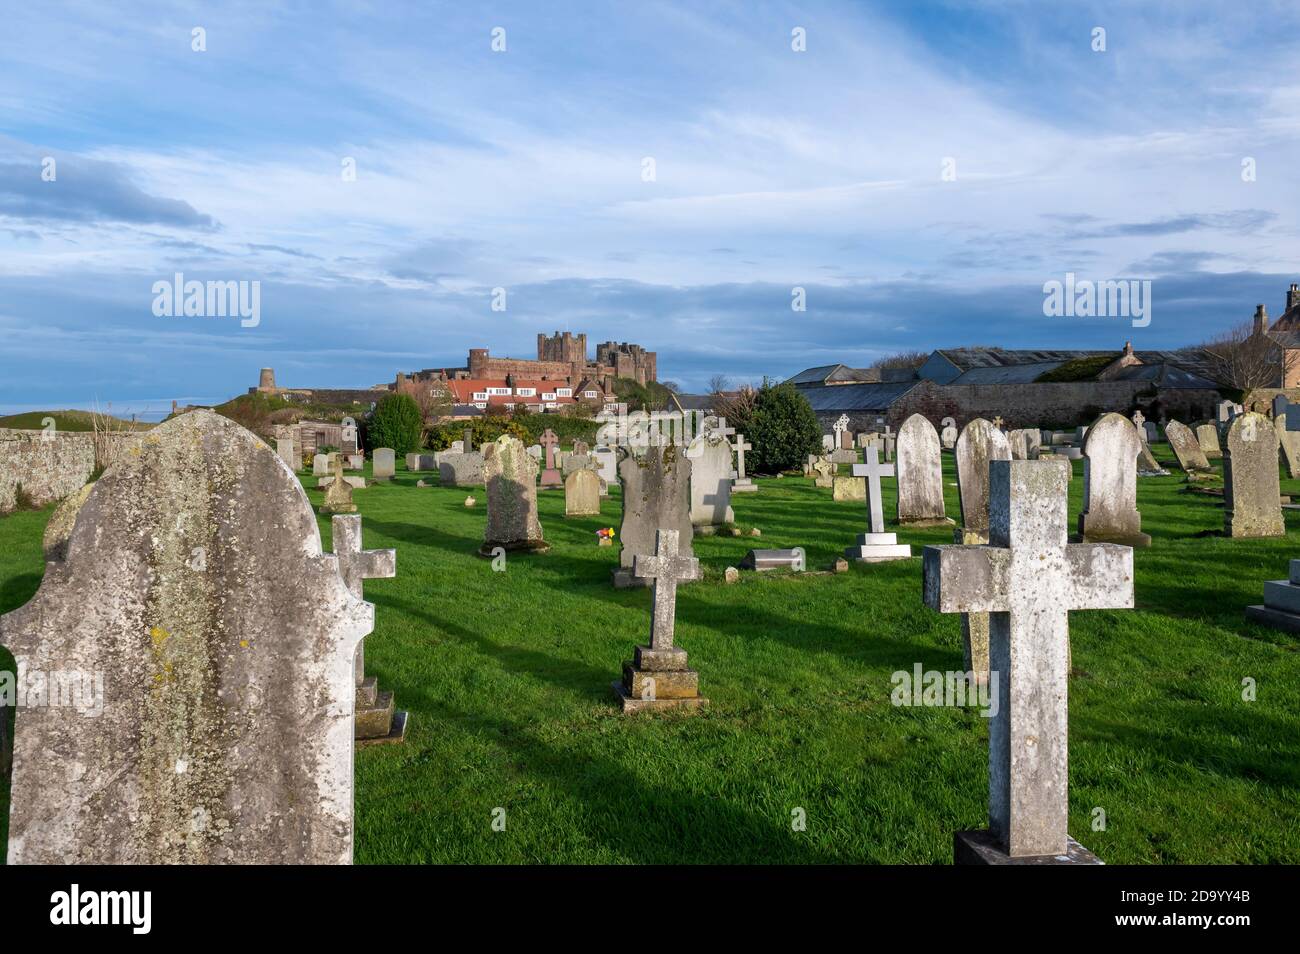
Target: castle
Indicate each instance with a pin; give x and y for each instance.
(563, 355)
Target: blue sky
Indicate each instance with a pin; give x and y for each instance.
(523, 170)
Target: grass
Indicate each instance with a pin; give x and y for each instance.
(66, 421)
(507, 678)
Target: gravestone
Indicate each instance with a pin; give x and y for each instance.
(1188, 451)
(606, 464)
(1018, 441)
(383, 465)
(656, 495)
(353, 481)
(825, 471)
(575, 461)
(920, 475)
(580, 447)
(1251, 491)
(949, 433)
(876, 546)
(413, 462)
(849, 488)
(338, 497)
(195, 581)
(320, 465)
(840, 430)
(979, 444)
(828, 443)
(742, 484)
(763, 560)
(286, 451)
(1029, 579)
(457, 446)
(535, 451)
(511, 478)
(467, 442)
(1288, 440)
(1207, 435)
(377, 719)
(551, 477)
(582, 493)
(1110, 513)
(711, 471)
(1281, 606)
(657, 676)
(460, 470)
(355, 461)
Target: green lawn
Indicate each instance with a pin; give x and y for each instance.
(507, 678)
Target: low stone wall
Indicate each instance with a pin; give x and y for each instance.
(49, 465)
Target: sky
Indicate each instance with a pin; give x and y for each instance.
(660, 173)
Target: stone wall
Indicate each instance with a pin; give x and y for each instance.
(50, 466)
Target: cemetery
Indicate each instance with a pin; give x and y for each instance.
(404, 668)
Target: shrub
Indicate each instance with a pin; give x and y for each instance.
(397, 423)
(783, 429)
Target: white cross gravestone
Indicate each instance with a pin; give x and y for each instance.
(195, 584)
(657, 677)
(876, 546)
(949, 433)
(376, 718)
(1028, 578)
(742, 484)
(840, 428)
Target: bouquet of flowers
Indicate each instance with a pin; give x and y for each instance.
(605, 536)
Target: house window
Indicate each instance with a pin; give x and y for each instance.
(526, 392)
(498, 391)
(482, 406)
(590, 394)
(549, 396)
(564, 392)
(480, 396)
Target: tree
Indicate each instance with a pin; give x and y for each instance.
(903, 359)
(1245, 359)
(397, 423)
(783, 428)
(736, 406)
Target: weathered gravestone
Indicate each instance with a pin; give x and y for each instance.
(1110, 453)
(762, 560)
(377, 719)
(606, 465)
(1288, 440)
(582, 493)
(511, 477)
(875, 546)
(222, 638)
(320, 465)
(1251, 491)
(657, 677)
(980, 442)
(1029, 579)
(1188, 451)
(1207, 435)
(1147, 465)
(413, 462)
(576, 461)
(1018, 443)
(711, 471)
(580, 447)
(840, 429)
(551, 477)
(287, 452)
(851, 488)
(656, 495)
(742, 484)
(920, 475)
(825, 471)
(384, 464)
(460, 470)
(338, 497)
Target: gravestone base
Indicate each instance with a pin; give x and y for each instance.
(878, 548)
(981, 848)
(1137, 541)
(338, 508)
(1276, 618)
(624, 580)
(356, 483)
(745, 486)
(675, 686)
(395, 734)
(513, 546)
(1281, 608)
(761, 560)
(929, 522)
(551, 480)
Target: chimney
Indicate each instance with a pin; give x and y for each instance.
(1293, 296)
(1261, 320)
(1128, 349)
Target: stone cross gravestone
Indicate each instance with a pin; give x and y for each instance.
(841, 430)
(195, 584)
(376, 717)
(920, 475)
(511, 477)
(1251, 491)
(551, 476)
(711, 471)
(657, 677)
(825, 471)
(876, 546)
(1110, 453)
(742, 484)
(383, 463)
(1029, 579)
(582, 493)
(338, 496)
(656, 495)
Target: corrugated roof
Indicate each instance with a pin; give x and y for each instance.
(967, 358)
(816, 375)
(857, 397)
(1007, 374)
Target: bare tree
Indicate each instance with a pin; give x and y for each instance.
(1245, 359)
(903, 359)
(718, 384)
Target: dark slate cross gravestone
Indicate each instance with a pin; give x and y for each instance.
(657, 677)
(195, 584)
(376, 718)
(1028, 578)
(876, 546)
